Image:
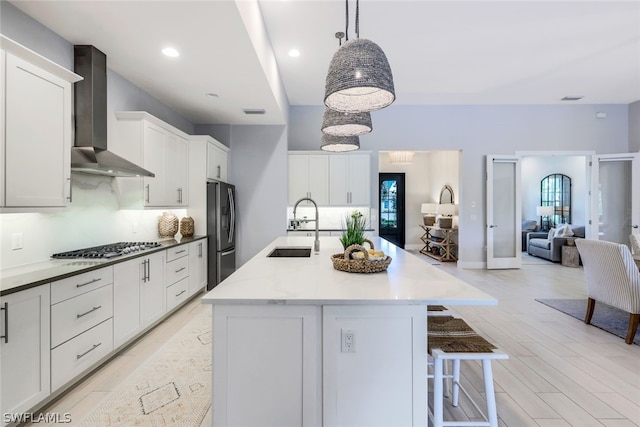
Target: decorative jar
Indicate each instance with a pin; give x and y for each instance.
(168, 225)
(186, 226)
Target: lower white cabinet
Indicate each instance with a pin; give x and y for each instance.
(177, 275)
(24, 349)
(80, 353)
(177, 293)
(152, 289)
(197, 266)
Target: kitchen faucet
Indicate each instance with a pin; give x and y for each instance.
(316, 243)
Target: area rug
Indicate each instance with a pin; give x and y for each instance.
(605, 317)
(172, 388)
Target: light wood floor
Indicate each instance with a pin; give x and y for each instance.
(561, 372)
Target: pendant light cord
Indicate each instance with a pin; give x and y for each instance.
(346, 25)
(358, 18)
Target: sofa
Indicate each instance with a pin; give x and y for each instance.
(528, 225)
(548, 244)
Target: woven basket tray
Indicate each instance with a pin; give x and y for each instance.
(343, 261)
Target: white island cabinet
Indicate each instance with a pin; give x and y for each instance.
(296, 342)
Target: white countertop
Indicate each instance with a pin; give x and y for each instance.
(408, 280)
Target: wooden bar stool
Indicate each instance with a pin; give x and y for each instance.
(451, 338)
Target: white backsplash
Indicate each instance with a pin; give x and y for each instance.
(330, 217)
(94, 218)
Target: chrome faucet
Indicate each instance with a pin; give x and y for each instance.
(316, 243)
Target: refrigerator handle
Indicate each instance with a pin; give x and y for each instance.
(232, 215)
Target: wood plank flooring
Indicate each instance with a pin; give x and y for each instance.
(561, 372)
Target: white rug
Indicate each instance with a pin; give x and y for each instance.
(172, 388)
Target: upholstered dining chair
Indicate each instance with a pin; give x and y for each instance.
(634, 239)
(612, 278)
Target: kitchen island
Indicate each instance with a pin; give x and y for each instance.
(298, 343)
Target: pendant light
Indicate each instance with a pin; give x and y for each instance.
(344, 124)
(340, 144)
(359, 77)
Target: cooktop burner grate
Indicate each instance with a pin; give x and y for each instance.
(107, 251)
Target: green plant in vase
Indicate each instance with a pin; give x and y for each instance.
(353, 230)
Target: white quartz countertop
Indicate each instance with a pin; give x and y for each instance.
(408, 280)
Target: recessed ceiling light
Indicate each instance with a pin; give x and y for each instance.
(254, 111)
(170, 52)
(212, 95)
(294, 53)
(572, 98)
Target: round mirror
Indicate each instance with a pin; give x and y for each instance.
(446, 195)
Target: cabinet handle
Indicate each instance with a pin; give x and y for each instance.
(180, 269)
(180, 293)
(200, 250)
(146, 199)
(179, 252)
(79, 285)
(180, 195)
(90, 311)
(80, 356)
(145, 273)
(219, 173)
(148, 270)
(70, 198)
(6, 322)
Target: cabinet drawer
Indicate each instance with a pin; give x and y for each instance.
(177, 252)
(80, 284)
(177, 293)
(176, 270)
(74, 316)
(80, 353)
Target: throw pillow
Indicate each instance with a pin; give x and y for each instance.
(529, 225)
(564, 231)
(552, 233)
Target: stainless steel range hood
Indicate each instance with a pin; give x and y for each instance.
(90, 154)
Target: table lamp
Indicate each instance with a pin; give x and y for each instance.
(544, 211)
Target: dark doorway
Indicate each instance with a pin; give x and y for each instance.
(391, 203)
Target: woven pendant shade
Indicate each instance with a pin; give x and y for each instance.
(345, 124)
(340, 143)
(359, 78)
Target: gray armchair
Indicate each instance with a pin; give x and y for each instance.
(539, 244)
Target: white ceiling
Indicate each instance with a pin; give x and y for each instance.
(441, 52)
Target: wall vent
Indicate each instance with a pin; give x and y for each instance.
(253, 110)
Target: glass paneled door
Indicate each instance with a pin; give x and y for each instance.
(391, 222)
(615, 201)
(503, 212)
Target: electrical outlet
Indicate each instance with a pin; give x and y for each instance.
(16, 241)
(348, 341)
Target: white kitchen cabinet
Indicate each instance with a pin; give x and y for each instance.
(177, 275)
(160, 148)
(24, 349)
(197, 266)
(152, 288)
(309, 177)
(349, 180)
(36, 114)
(127, 318)
(214, 153)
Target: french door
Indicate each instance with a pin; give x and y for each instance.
(615, 201)
(504, 228)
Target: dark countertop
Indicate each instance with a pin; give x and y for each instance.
(27, 276)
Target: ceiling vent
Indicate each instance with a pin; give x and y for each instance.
(254, 110)
(572, 98)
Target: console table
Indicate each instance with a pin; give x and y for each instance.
(438, 243)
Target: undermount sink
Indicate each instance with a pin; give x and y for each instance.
(290, 252)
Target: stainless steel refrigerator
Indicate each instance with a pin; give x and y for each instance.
(221, 231)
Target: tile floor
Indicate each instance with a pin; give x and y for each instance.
(561, 372)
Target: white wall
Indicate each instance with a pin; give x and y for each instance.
(634, 127)
(258, 168)
(477, 131)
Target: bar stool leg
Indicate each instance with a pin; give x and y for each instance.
(490, 393)
(456, 381)
(438, 411)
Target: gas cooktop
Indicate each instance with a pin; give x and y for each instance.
(107, 251)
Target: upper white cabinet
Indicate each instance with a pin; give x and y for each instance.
(160, 148)
(349, 179)
(309, 177)
(36, 115)
(24, 349)
(210, 154)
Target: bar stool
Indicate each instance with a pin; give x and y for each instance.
(451, 338)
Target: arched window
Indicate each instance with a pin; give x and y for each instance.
(555, 191)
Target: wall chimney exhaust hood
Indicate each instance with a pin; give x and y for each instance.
(89, 153)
